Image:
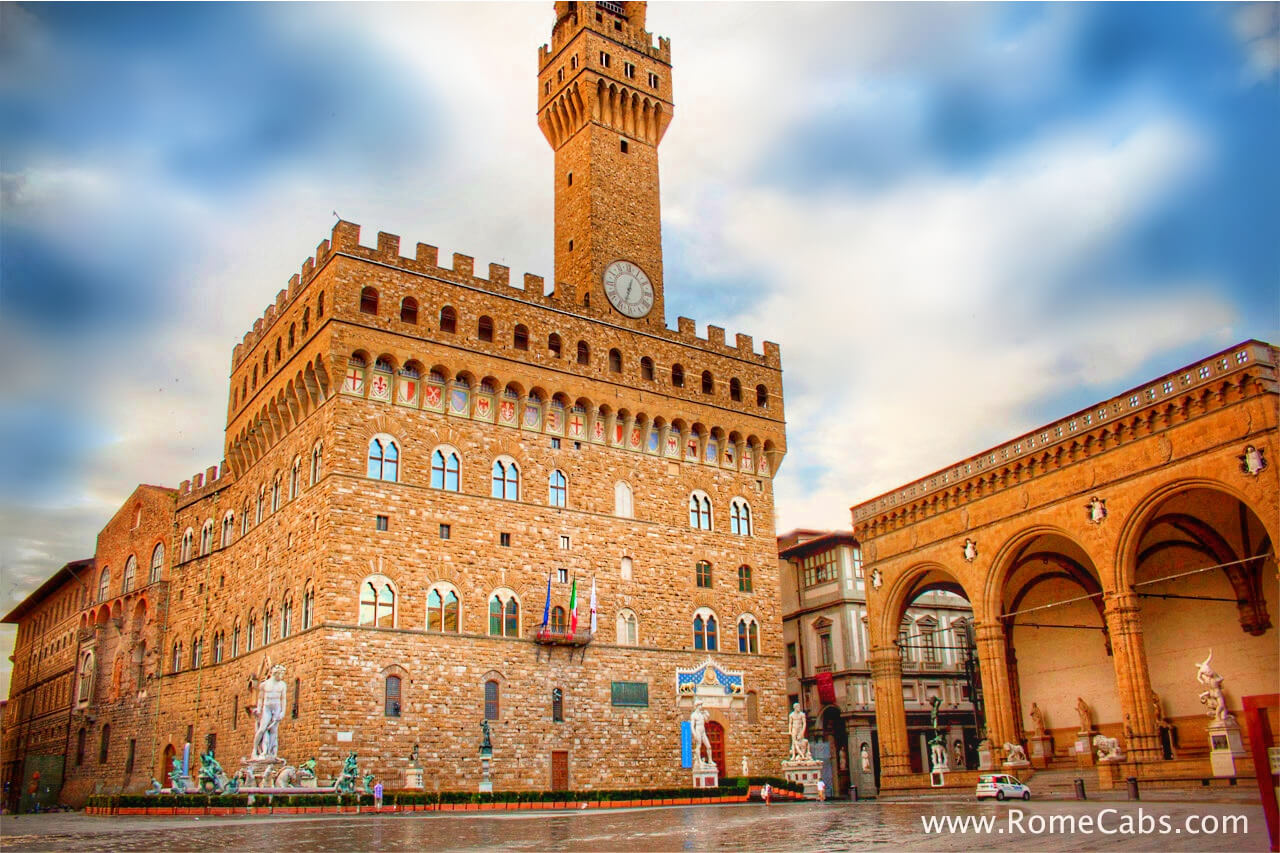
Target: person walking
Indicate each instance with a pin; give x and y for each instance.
(377, 796)
(765, 792)
(822, 791)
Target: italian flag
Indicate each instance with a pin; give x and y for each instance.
(573, 608)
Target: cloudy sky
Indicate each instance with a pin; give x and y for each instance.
(959, 221)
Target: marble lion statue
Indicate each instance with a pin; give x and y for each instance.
(1108, 748)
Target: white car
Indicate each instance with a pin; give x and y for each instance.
(1001, 786)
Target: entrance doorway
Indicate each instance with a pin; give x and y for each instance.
(560, 770)
(715, 734)
(166, 762)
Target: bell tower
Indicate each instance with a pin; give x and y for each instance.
(604, 103)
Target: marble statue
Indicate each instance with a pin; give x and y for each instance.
(934, 704)
(865, 758)
(1162, 722)
(155, 786)
(1037, 720)
(957, 755)
(270, 711)
(698, 727)
(346, 782)
(938, 753)
(1014, 753)
(1086, 717)
(797, 722)
(1108, 748)
(744, 766)
(1214, 700)
(413, 756)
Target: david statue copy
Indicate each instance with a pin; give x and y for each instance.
(270, 710)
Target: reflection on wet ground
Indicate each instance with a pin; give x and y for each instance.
(806, 826)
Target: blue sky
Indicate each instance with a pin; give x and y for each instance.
(959, 221)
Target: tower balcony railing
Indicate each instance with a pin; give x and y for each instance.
(552, 637)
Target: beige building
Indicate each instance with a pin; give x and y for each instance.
(824, 605)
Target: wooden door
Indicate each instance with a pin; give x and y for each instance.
(560, 771)
(715, 734)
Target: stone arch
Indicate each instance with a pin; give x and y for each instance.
(910, 584)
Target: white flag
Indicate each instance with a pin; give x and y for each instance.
(593, 605)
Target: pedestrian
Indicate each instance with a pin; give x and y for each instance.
(377, 796)
(765, 792)
(822, 791)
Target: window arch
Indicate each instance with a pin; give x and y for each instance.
(104, 583)
(520, 337)
(628, 628)
(748, 634)
(260, 509)
(708, 383)
(308, 606)
(320, 305)
(506, 479)
(317, 460)
(735, 390)
(626, 567)
(130, 573)
(197, 651)
(268, 613)
(554, 345)
(295, 475)
(378, 602)
(584, 353)
(558, 489)
(700, 510)
(702, 574)
(306, 319)
(448, 319)
(704, 630)
(228, 527)
(275, 493)
(677, 376)
(484, 329)
(217, 647)
(762, 396)
(744, 578)
(615, 361)
(739, 517)
(88, 674)
(557, 705)
(504, 614)
(177, 657)
(491, 699)
(444, 609)
(235, 639)
(104, 745)
(646, 368)
(384, 458)
(244, 517)
(409, 310)
(559, 622)
(157, 563)
(623, 500)
(188, 542)
(286, 617)
(206, 537)
(250, 628)
(369, 301)
(292, 332)
(391, 696)
(445, 469)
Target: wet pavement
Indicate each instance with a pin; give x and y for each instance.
(750, 826)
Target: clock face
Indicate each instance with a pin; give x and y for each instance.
(628, 288)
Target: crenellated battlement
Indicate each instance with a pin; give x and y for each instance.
(345, 241)
(621, 22)
(203, 484)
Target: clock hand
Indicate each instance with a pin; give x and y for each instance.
(630, 285)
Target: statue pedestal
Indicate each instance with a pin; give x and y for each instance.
(986, 758)
(1016, 765)
(413, 779)
(806, 773)
(486, 782)
(260, 771)
(705, 775)
(1084, 748)
(1225, 746)
(1041, 751)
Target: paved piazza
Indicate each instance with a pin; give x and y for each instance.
(803, 826)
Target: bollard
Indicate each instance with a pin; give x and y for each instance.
(853, 793)
(1080, 790)
(1132, 782)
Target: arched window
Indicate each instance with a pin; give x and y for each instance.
(261, 507)
(391, 696)
(177, 657)
(744, 578)
(235, 640)
(626, 567)
(286, 617)
(88, 673)
(762, 395)
(700, 511)
(623, 506)
(267, 615)
(378, 603)
(104, 584)
(228, 528)
(104, 744)
(702, 573)
(491, 700)
(197, 651)
(646, 368)
(292, 329)
(188, 543)
(748, 635)
(506, 479)
(677, 376)
(905, 629)
(557, 705)
(308, 607)
(520, 337)
(306, 320)
(739, 517)
(504, 614)
(295, 474)
(157, 563)
(206, 537)
(559, 489)
(244, 518)
(217, 647)
(384, 458)
(320, 305)
(554, 346)
(615, 361)
(442, 609)
(584, 353)
(251, 628)
(278, 353)
(628, 628)
(558, 621)
(735, 390)
(704, 630)
(130, 573)
(275, 494)
(444, 469)
(448, 319)
(409, 310)
(317, 459)
(369, 301)
(484, 329)
(708, 384)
